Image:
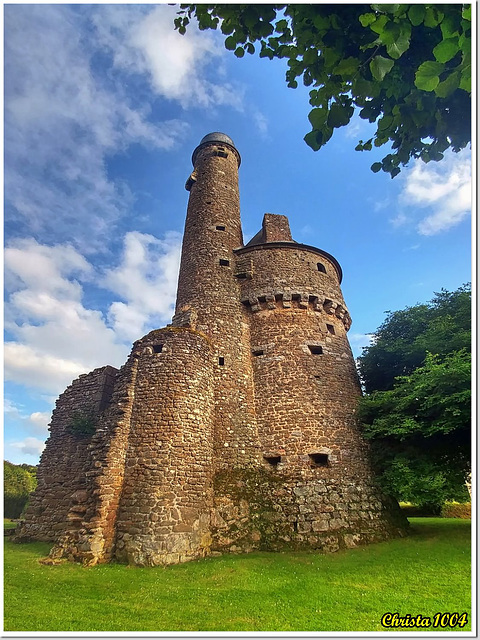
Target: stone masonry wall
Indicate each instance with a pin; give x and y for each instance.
(167, 495)
(314, 487)
(91, 521)
(61, 470)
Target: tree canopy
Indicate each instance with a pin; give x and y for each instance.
(402, 341)
(419, 422)
(405, 67)
(19, 481)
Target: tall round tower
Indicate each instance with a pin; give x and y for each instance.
(208, 295)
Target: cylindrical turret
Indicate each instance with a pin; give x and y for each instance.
(208, 296)
(212, 231)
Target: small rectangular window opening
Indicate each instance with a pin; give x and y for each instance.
(321, 267)
(258, 352)
(319, 459)
(157, 348)
(315, 349)
(273, 460)
(241, 276)
(331, 329)
(220, 227)
(221, 361)
(224, 263)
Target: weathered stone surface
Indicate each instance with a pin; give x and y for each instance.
(232, 429)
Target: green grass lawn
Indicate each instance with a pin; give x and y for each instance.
(426, 573)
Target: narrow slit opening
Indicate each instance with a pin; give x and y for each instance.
(273, 460)
(315, 349)
(319, 459)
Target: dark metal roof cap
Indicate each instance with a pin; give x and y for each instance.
(217, 136)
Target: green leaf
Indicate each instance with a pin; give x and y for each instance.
(347, 67)
(380, 66)
(384, 123)
(318, 117)
(397, 48)
(448, 86)
(433, 17)
(367, 19)
(466, 80)
(467, 12)
(312, 140)
(239, 52)
(376, 166)
(450, 26)
(426, 76)
(339, 115)
(390, 33)
(416, 13)
(230, 43)
(379, 24)
(446, 50)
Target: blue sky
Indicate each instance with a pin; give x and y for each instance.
(102, 112)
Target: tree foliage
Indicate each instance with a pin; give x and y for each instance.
(405, 67)
(19, 481)
(419, 423)
(401, 343)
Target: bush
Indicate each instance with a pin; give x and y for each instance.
(82, 425)
(19, 482)
(420, 511)
(457, 510)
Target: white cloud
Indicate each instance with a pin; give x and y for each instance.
(146, 279)
(65, 114)
(174, 64)
(55, 337)
(29, 446)
(444, 188)
(36, 422)
(261, 122)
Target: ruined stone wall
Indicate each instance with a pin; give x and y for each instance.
(167, 494)
(209, 291)
(61, 470)
(91, 520)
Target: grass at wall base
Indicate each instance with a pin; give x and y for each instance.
(425, 573)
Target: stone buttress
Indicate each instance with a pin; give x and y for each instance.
(233, 428)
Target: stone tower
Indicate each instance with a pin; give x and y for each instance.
(231, 429)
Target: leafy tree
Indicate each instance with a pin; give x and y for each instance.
(419, 423)
(405, 67)
(19, 482)
(401, 343)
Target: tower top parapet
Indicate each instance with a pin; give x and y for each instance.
(219, 138)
